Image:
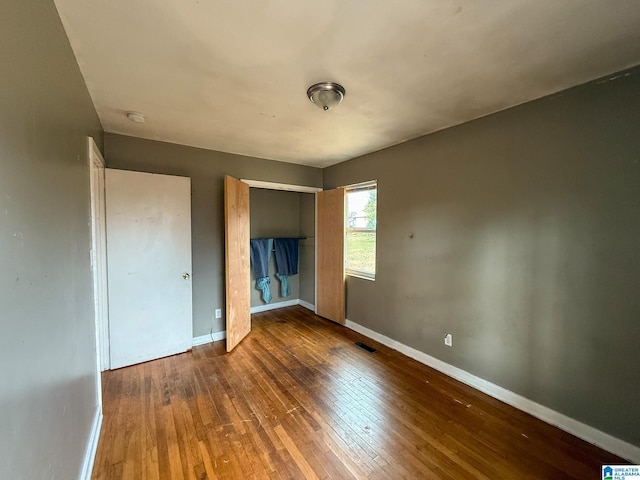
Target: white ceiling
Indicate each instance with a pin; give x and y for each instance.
(232, 75)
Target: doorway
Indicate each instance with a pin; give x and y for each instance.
(278, 214)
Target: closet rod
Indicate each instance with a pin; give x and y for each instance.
(266, 238)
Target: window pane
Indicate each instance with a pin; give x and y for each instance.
(361, 209)
(361, 251)
(361, 206)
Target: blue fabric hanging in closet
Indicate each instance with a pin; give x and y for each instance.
(260, 255)
(286, 262)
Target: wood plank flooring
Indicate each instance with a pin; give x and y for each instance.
(297, 399)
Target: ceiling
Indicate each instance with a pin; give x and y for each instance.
(232, 75)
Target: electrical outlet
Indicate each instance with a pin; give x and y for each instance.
(218, 313)
(448, 340)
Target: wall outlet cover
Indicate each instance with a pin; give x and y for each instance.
(448, 340)
(218, 313)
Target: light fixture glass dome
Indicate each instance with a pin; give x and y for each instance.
(326, 95)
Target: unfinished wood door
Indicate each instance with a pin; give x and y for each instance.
(237, 260)
(330, 255)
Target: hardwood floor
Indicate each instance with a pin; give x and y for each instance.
(297, 399)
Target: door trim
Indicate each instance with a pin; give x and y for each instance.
(98, 254)
(287, 187)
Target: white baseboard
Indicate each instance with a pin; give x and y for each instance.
(286, 303)
(209, 337)
(272, 306)
(92, 446)
(307, 305)
(574, 427)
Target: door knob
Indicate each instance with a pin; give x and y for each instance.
(185, 276)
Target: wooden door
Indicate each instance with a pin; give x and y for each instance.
(237, 260)
(149, 265)
(330, 294)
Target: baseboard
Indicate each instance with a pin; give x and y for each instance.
(286, 303)
(273, 306)
(92, 446)
(574, 427)
(209, 337)
(307, 305)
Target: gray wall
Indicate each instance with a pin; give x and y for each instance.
(526, 227)
(207, 169)
(47, 345)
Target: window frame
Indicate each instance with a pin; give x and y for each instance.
(363, 186)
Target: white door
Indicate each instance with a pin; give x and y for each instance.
(149, 265)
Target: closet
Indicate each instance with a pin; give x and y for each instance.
(256, 209)
(283, 214)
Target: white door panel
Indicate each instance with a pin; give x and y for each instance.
(149, 265)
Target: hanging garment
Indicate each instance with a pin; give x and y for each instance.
(286, 262)
(260, 255)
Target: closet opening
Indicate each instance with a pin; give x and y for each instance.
(263, 210)
(280, 214)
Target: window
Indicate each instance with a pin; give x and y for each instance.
(360, 242)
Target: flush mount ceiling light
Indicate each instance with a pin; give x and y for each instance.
(326, 95)
(136, 117)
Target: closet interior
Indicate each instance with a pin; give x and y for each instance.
(284, 214)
